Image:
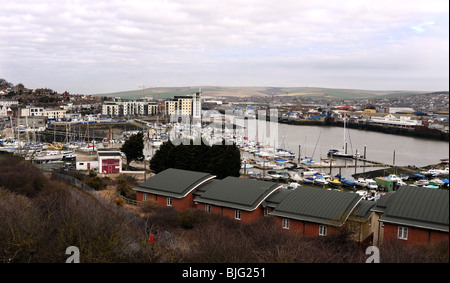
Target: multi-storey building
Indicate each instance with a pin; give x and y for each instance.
(190, 105)
(136, 107)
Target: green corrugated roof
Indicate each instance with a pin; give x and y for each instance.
(317, 205)
(419, 207)
(274, 199)
(363, 211)
(238, 193)
(174, 182)
(381, 204)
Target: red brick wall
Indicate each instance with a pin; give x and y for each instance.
(246, 216)
(303, 228)
(179, 204)
(415, 235)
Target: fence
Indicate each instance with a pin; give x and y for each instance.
(79, 184)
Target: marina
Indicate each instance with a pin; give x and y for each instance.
(306, 155)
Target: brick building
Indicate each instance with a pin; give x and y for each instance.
(309, 211)
(413, 215)
(172, 187)
(236, 198)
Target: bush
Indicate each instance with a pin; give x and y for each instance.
(96, 183)
(191, 217)
(21, 177)
(148, 206)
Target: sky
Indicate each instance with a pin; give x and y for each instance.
(92, 47)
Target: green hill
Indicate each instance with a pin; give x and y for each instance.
(219, 91)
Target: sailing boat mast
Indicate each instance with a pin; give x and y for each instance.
(345, 135)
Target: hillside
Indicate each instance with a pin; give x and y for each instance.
(219, 91)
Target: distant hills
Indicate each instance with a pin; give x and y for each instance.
(218, 91)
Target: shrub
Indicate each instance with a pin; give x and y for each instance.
(96, 183)
(119, 201)
(147, 206)
(21, 177)
(190, 217)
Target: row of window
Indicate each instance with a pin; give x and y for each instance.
(402, 231)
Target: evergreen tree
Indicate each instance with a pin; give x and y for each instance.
(133, 148)
(220, 160)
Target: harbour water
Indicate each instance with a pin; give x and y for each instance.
(316, 141)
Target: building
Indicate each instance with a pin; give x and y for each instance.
(107, 161)
(5, 106)
(55, 114)
(124, 107)
(51, 114)
(32, 111)
(32, 123)
(237, 198)
(413, 215)
(308, 211)
(185, 105)
(172, 187)
(392, 121)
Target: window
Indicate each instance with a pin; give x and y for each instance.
(169, 201)
(208, 208)
(403, 233)
(322, 230)
(144, 197)
(285, 223)
(237, 214)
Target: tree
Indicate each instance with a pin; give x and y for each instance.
(220, 160)
(133, 148)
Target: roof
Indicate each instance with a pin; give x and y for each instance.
(317, 205)
(418, 207)
(238, 193)
(175, 183)
(381, 204)
(363, 210)
(274, 199)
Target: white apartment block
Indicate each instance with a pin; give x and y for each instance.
(138, 107)
(54, 114)
(185, 105)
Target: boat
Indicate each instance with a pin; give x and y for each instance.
(421, 183)
(339, 154)
(307, 161)
(295, 177)
(246, 165)
(436, 182)
(334, 182)
(281, 161)
(293, 185)
(348, 183)
(309, 172)
(274, 175)
(47, 156)
(429, 186)
(361, 182)
(320, 180)
(309, 180)
(371, 184)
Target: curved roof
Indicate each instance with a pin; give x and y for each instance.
(174, 182)
(317, 205)
(238, 193)
(418, 207)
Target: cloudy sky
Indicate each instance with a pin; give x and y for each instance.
(116, 45)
